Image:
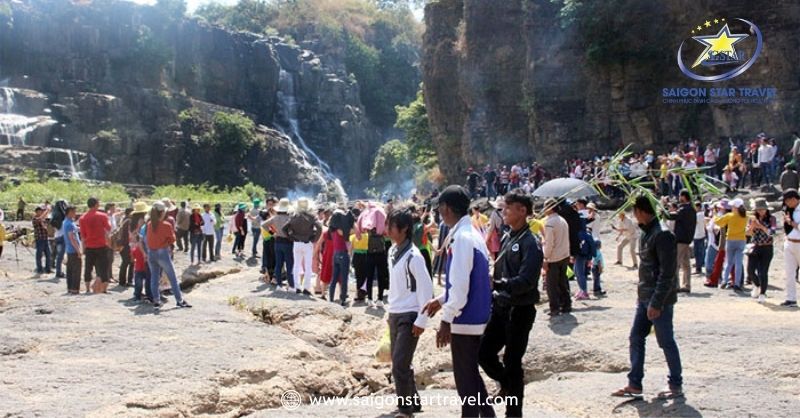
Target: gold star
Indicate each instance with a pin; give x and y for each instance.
(708, 24)
(721, 43)
(716, 20)
(699, 28)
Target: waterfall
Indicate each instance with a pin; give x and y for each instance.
(288, 100)
(6, 100)
(13, 127)
(73, 172)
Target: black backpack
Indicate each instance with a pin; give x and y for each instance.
(59, 214)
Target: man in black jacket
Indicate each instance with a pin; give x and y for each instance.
(685, 222)
(573, 218)
(657, 294)
(515, 293)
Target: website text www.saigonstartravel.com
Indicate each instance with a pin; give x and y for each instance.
(291, 400)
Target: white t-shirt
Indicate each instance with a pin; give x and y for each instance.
(700, 226)
(208, 223)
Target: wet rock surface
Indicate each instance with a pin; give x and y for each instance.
(244, 344)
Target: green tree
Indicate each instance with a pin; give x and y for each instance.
(234, 134)
(392, 167)
(413, 121)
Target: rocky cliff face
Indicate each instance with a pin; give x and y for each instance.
(504, 82)
(117, 75)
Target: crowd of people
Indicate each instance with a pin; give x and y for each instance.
(491, 257)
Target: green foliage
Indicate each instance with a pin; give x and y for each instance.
(206, 193)
(393, 166)
(173, 8)
(234, 133)
(413, 120)
(617, 31)
(75, 192)
(188, 115)
(247, 15)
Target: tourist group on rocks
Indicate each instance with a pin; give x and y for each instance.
(487, 260)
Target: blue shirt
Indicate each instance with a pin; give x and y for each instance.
(66, 228)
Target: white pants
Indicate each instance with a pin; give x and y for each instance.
(303, 254)
(791, 260)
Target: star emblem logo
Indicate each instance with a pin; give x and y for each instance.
(719, 48)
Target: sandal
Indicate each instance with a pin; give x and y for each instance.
(670, 393)
(628, 392)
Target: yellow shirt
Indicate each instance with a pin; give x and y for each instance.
(360, 246)
(536, 226)
(737, 226)
(2, 234)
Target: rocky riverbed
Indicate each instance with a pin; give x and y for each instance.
(243, 345)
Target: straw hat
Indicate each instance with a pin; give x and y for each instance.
(498, 203)
(140, 207)
(302, 204)
(283, 206)
(168, 205)
(196, 206)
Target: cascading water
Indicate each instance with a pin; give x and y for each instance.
(14, 128)
(288, 101)
(73, 172)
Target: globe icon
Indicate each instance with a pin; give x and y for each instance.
(291, 400)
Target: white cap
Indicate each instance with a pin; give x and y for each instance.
(736, 203)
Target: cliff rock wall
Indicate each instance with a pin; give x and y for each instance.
(507, 82)
(116, 67)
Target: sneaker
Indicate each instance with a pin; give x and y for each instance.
(581, 295)
(298, 291)
(755, 292)
(599, 293)
(292, 290)
(762, 299)
(379, 304)
(789, 304)
(184, 304)
(156, 306)
(307, 293)
(737, 289)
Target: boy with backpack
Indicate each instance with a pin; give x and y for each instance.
(410, 287)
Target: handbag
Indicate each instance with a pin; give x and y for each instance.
(749, 248)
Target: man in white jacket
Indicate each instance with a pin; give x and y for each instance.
(467, 301)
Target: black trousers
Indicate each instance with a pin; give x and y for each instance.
(125, 267)
(73, 273)
(360, 267)
(558, 286)
(208, 244)
(508, 327)
(758, 266)
(268, 257)
(182, 240)
(377, 267)
(469, 383)
(403, 345)
(97, 259)
(426, 254)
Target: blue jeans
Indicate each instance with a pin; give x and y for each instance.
(734, 258)
(284, 255)
(196, 241)
(60, 250)
(42, 249)
(141, 279)
(699, 254)
(341, 269)
(218, 244)
(580, 271)
(711, 255)
(596, 279)
(666, 340)
(159, 261)
(256, 232)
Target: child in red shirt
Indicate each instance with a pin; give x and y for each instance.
(140, 273)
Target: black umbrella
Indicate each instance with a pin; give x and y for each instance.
(565, 188)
